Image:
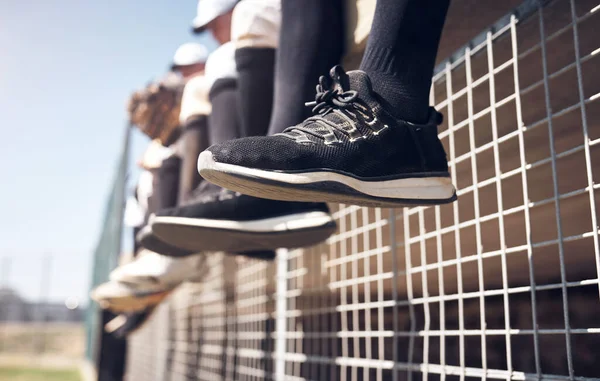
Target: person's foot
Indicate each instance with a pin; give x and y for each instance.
(127, 297)
(148, 240)
(221, 220)
(264, 255)
(146, 281)
(352, 151)
(152, 271)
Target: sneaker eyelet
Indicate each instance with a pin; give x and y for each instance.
(376, 133)
(358, 138)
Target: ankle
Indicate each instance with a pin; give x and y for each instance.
(398, 99)
(433, 154)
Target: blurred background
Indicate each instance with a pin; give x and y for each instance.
(67, 69)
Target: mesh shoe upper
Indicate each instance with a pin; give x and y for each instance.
(350, 133)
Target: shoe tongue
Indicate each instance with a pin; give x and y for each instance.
(359, 81)
(356, 80)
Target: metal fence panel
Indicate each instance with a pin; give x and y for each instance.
(108, 247)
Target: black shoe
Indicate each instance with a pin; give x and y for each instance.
(265, 255)
(221, 220)
(352, 151)
(150, 241)
(147, 239)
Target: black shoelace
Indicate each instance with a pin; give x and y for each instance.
(331, 97)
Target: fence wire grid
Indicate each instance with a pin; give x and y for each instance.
(502, 284)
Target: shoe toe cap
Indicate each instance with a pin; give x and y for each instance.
(261, 152)
(167, 212)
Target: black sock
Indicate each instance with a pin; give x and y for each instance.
(223, 122)
(311, 42)
(401, 52)
(136, 244)
(173, 137)
(256, 74)
(194, 139)
(166, 183)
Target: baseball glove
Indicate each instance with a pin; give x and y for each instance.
(155, 110)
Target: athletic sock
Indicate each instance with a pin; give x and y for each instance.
(256, 74)
(311, 42)
(167, 182)
(223, 122)
(401, 53)
(194, 139)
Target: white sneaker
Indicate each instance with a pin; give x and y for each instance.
(127, 297)
(157, 271)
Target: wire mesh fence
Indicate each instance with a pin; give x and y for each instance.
(503, 284)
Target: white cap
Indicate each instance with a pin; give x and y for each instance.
(209, 10)
(189, 54)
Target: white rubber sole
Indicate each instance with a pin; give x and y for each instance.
(268, 225)
(130, 303)
(327, 186)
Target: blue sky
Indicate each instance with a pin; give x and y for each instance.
(66, 70)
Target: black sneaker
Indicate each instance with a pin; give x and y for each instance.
(221, 220)
(264, 255)
(152, 242)
(147, 239)
(352, 151)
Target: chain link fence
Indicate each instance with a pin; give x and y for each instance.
(107, 250)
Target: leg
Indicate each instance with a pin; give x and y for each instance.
(401, 53)
(195, 140)
(224, 122)
(167, 188)
(311, 41)
(255, 88)
(166, 182)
